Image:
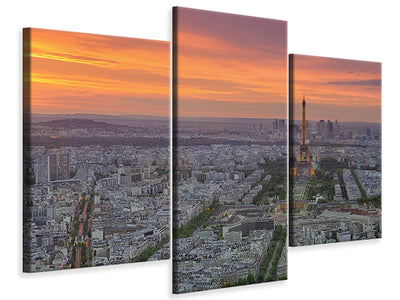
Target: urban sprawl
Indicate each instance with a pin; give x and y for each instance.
(342, 201)
(230, 203)
(95, 192)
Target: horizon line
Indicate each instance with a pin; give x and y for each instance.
(96, 114)
(342, 121)
(158, 116)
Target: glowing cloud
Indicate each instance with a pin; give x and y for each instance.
(346, 90)
(229, 65)
(86, 73)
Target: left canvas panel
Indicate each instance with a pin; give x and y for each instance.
(96, 150)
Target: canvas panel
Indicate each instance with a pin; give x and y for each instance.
(96, 150)
(335, 150)
(229, 110)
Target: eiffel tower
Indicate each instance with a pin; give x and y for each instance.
(303, 167)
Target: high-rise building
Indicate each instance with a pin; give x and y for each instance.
(41, 169)
(275, 125)
(329, 129)
(63, 167)
(321, 128)
(58, 167)
(282, 124)
(52, 165)
(279, 125)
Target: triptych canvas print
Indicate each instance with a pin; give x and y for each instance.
(252, 172)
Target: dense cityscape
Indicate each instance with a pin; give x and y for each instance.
(230, 209)
(96, 191)
(342, 200)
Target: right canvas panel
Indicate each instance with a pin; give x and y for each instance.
(334, 150)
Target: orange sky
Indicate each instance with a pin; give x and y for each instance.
(230, 65)
(342, 89)
(86, 73)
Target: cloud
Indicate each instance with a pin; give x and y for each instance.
(77, 72)
(230, 65)
(76, 58)
(367, 83)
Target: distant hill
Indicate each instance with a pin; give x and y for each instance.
(76, 123)
(96, 117)
(127, 120)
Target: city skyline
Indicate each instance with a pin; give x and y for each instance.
(342, 89)
(248, 60)
(89, 73)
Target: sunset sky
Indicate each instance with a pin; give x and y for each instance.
(230, 65)
(342, 89)
(86, 73)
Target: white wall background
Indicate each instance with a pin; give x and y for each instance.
(365, 30)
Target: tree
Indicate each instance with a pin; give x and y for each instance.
(269, 278)
(251, 279)
(272, 270)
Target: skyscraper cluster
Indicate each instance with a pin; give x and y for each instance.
(52, 167)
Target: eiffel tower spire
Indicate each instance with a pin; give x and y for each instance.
(303, 124)
(303, 164)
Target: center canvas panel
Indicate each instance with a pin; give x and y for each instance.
(230, 170)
